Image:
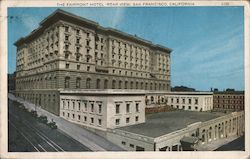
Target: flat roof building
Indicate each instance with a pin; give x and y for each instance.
(228, 100)
(178, 131)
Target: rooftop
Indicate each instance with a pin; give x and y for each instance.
(159, 124)
(229, 92)
(67, 16)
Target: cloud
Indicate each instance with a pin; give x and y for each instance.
(29, 22)
(118, 16)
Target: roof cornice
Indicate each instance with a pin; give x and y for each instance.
(66, 16)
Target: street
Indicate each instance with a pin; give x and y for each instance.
(236, 145)
(26, 134)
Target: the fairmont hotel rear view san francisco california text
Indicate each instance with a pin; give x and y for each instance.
(118, 86)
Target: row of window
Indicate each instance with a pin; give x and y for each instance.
(78, 106)
(114, 85)
(128, 108)
(128, 120)
(79, 118)
(138, 148)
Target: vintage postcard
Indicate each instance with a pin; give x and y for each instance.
(124, 79)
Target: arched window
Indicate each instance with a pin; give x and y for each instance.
(155, 86)
(151, 86)
(126, 85)
(78, 81)
(120, 84)
(136, 85)
(98, 83)
(88, 83)
(131, 84)
(105, 84)
(141, 85)
(66, 82)
(146, 86)
(113, 84)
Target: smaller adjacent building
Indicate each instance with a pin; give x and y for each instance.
(228, 100)
(102, 109)
(191, 101)
(178, 131)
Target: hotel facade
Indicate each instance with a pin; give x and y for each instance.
(72, 53)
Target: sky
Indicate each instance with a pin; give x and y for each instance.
(207, 42)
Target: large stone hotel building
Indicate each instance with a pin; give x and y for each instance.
(70, 52)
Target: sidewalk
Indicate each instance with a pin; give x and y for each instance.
(84, 136)
(216, 144)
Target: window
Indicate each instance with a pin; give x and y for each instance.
(78, 67)
(78, 80)
(77, 31)
(105, 84)
(66, 37)
(87, 59)
(131, 145)
(183, 100)
(98, 81)
(87, 34)
(196, 108)
(88, 68)
(189, 107)
(196, 101)
(183, 107)
(66, 84)
(66, 29)
(85, 105)
(88, 83)
(77, 49)
(68, 115)
(123, 143)
(127, 120)
(92, 120)
(63, 113)
(67, 66)
(73, 105)
(100, 108)
(127, 107)
(92, 107)
(137, 107)
(120, 84)
(117, 121)
(79, 117)
(177, 100)
(77, 41)
(189, 101)
(117, 108)
(73, 116)
(137, 118)
(87, 42)
(113, 84)
(100, 121)
(85, 118)
(79, 106)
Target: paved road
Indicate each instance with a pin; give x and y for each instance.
(236, 145)
(86, 137)
(26, 134)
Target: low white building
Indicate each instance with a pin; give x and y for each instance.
(102, 109)
(179, 131)
(191, 101)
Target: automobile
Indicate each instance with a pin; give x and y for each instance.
(52, 125)
(43, 119)
(33, 113)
